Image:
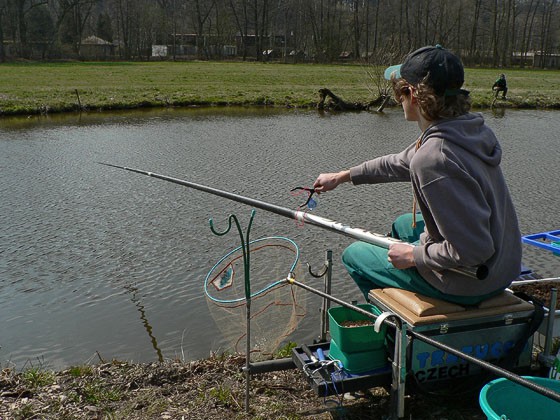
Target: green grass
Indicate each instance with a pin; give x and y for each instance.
(526, 88)
(96, 392)
(81, 371)
(37, 377)
(285, 351)
(28, 88)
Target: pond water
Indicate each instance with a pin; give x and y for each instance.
(100, 263)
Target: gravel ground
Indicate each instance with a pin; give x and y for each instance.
(212, 389)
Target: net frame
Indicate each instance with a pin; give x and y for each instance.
(277, 307)
(263, 290)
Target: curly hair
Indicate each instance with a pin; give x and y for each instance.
(433, 106)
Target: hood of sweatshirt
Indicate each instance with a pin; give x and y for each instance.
(470, 133)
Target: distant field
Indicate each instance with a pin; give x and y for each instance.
(51, 87)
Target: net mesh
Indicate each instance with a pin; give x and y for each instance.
(276, 306)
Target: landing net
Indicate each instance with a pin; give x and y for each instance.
(276, 306)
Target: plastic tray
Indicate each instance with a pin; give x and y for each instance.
(546, 240)
(325, 384)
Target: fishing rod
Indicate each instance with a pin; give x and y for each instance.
(479, 272)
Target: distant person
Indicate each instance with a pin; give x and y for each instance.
(500, 85)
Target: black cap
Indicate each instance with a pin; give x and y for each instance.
(443, 68)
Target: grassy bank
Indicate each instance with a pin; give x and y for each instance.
(31, 88)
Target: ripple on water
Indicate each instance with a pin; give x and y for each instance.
(97, 259)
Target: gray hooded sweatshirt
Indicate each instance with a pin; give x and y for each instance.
(462, 195)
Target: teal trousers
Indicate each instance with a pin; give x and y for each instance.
(368, 266)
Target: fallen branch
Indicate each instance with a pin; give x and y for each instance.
(336, 103)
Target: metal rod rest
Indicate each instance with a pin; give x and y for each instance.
(531, 281)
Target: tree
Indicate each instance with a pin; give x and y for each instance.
(201, 10)
(40, 28)
(104, 29)
(490, 32)
(546, 29)
(3, 9)
(529, 12)
(124, 11)
(41, 25)
(240, 12)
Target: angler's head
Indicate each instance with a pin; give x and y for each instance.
(434, 76)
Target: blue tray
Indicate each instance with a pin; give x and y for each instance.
(547, 240)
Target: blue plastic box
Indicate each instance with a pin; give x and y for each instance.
(546, 240)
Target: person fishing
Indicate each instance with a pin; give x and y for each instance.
(466, 215)
(500, 85)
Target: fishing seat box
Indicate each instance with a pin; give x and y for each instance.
(487, 331)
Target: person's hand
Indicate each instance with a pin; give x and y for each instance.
(329, 181)
(400, 255)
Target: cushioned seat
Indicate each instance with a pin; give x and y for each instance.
(417, 309)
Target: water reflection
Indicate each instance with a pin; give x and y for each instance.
(149, 330)
(498, 112)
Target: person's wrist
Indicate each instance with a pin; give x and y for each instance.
(344, 176)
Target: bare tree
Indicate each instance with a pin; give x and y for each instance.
(546, 21)
(200, 13)
(529, 12)
(3, 13)
(240, 11)
(13, 14)
(124, 14)
(76, 13)
(488, 32)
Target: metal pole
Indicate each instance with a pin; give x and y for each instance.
(399, 372)
(480, 272)
(550, 321)
(326, 302)
(245, 245)
(248, 357)
(532, 281)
